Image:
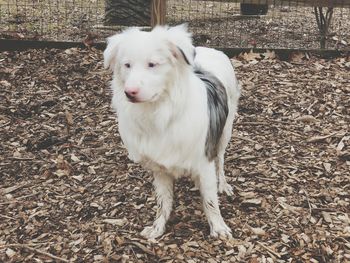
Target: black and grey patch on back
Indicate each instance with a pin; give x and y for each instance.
(217, 110)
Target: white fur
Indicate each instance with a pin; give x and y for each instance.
(166, 129)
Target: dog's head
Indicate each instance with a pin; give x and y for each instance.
(145, 62)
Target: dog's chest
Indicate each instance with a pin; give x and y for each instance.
(175, 171)
(164, 146)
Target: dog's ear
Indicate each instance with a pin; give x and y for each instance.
(181, 43)
(113, 43)
(110, 52)
(179, 54)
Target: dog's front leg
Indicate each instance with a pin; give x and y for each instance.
(163, 184)
(208, 189)
(223, 185)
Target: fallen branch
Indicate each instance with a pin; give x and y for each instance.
(294, 209)
(308, 202)
(267, 179)
(7, 217)
(24, 159)
(140, 246)
(245, 139)
(5, 124)
(11, 189)
(23, 246)
(269, 249)
(321, 138)
(325, 209)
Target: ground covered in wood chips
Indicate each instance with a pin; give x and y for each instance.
(69, 192)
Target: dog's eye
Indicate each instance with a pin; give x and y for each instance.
(127, 65)
(151, 65)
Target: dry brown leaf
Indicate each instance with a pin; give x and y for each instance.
(327, 167)
(270, 55)
(328, 250)
(140, 246)
(241, 251)
(114, 221)
(91, 170)
(306, 118)
(258, 147)
(252, 202)
(17, 154)
(236, 63)
(318, 66)
(98, 258)
(327, 217)
(297, 57)
(341, 144)
(63, 167)
(285, 238)
(258, 231)
(293, 209)
(5, 83)
(305, 237)
(250, 56)
(107, 245)
(74, 158)
(79, 178)
(120, 240)
(69, 118)
(71, 51)
(106, 123)
(192, 244)
(10, 252)
(247, 195)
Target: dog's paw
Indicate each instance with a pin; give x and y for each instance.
(221, 231)
(225, 188)
(152, 232)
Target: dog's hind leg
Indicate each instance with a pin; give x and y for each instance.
(163, 184)
(223, 186)
(208, 189)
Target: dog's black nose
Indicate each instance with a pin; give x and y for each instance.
(129, 95)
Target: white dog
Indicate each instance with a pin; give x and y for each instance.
(175, 105)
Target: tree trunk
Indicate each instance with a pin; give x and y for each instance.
(158, 12)
(323, 22)
(128, 12)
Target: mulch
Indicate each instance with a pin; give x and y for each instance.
(68, 192)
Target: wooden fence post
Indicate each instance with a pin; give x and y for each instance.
(158, 12)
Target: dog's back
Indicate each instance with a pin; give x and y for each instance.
(218, 64)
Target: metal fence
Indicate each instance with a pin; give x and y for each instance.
(220, 23)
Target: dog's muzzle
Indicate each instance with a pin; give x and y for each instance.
(131, 96)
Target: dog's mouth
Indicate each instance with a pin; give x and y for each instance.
(131, 98)
(135, 100)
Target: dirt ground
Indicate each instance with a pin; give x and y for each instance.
(68, 192)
